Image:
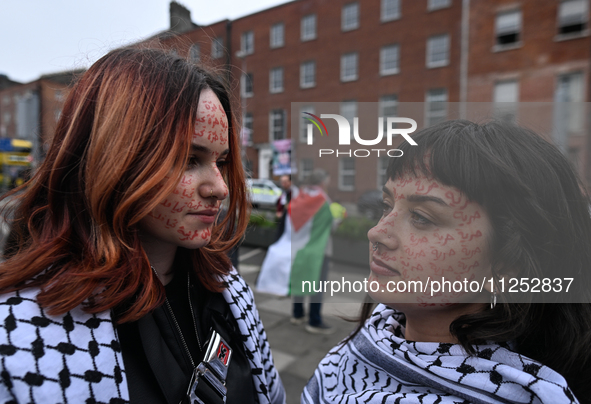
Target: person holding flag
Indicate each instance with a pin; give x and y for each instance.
(302, 252)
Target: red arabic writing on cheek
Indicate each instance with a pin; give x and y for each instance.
(192, 235)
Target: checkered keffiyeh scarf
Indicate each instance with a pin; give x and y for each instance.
(380, 366)
(76, 357)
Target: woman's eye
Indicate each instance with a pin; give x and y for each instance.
(385, 208)
(192, 162)
(222, 163)
(418, 219)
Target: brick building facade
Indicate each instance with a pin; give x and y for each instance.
(391, 52)
(447, 55)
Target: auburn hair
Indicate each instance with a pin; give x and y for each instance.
(120, 147)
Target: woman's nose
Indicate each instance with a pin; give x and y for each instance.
(384, 233)
(215, 188)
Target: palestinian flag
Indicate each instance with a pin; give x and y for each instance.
(298, 255)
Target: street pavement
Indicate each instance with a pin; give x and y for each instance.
(297, 352)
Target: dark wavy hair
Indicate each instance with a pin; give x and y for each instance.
(541, 224)
(120, 147)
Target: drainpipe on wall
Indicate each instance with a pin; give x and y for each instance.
(465, 33)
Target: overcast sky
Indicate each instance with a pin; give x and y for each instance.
(47, 36)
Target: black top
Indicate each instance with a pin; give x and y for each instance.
(157, 367)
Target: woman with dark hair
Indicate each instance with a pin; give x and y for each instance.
(118, 287)
(479, 206)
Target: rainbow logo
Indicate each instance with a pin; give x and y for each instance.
(316, 123)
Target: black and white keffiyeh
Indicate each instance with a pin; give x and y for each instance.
(76, 358)
(380, 366)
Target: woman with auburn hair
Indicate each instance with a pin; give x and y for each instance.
(483, 207)
(118, 287)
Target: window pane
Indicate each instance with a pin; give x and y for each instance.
(390, 10)
(436, 106)
(350, 17)
(389, 59)
(349, 67)
(217, 48)
(308, 74)
(435, 4)
(308, 27)
(277, 35)
(276, 80)
(438, 51)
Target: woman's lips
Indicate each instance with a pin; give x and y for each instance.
(206, 216)
(380, 268)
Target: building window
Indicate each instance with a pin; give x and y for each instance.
(276, 80)
(388, 107)
(348, 110)
(277, 124)
(573, 16)
(569, 89)
(7, 118)
(247, 126)
(347, 173)
(390, 10)
(195, 52)
(246, 85)
(350, 17)
(247, 42)
(217, 48)
(508, 28)
(305, 122)
(308, 74)
(306, 168)
(437, 4)
(389, 60)
(382, 171)
(308, 27)
(505, 98)
(349, 66)
(438, 51)
(435, 106)
(277, 35)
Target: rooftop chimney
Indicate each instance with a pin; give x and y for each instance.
(180, 18)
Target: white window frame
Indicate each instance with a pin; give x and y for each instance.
(248, 124)
(346, 172)
(217, 47)
(505, 99)
(435, 97)
(349, 66)
(195, 53)
(247, 43)
(438, 4)
(573, 12)
(277, 35)
(306, 168)
(438, 45)
(304, 122)
(276, 80)
(390, 59)
(350, 17)
(573, 93)
(389, 10)
(308, 74)
(387, 107)
(382, 171)
(508, 23)
(244, 79)
(348, 110)
(274, 129)
(308, 27)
